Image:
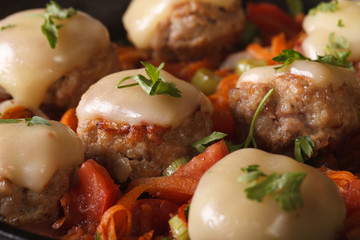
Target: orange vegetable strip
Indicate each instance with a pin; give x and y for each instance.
(69, 119)
(278, 43)
(174, 189)
(197, 166)
(16, 112)
(341, 178)
(116, 221)
(259, 52)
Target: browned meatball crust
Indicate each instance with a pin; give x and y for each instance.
(147, 149)
(196, 30)
(296, 108)
(20, 205)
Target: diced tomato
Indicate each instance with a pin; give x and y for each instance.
(152, 214)
(202, 162)
(352, 197)
(92, 196)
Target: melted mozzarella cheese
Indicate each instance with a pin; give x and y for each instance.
(319, 26)
(28, 66)
(132, 105)
(30, 156)
(220, 209)
(319, 74)
(142, 17)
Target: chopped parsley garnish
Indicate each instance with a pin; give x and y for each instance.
(295, 7)
(7, 27)
(155, 85)
(201, 144)
(97, 237)
(35, 120)
(303, 147)
(338, 48)
(285, 187)
(288, 56)
(49, 28)
(325, 7)
(340, 23)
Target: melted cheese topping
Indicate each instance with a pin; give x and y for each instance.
(319, 74)
(220, 209)
(28, 66)
(30, 156)
(132, 105)
(142, 17)
(319, 26)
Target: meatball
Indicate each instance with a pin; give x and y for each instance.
(34, 74)
(185, 30)
(136, 135)
(310, 99)
(37, 163)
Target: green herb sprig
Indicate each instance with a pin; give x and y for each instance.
(203, 143)
(155, 85)
(7, 27)
(324, 7)
(303, 147)
(35, 120)
(288, 56)
(49, 28)
(250, 138)
(295, 7)
(285, 187)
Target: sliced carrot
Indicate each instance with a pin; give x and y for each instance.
(278, 44)
(116, 222)
(197, 166)
(222, 118)
(259, 52)
(69, 119)
(16, 112)
(174, 189)
(341, 178)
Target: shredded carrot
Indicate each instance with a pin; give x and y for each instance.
(278, 43)
(16, 112)
(222, 118)
(341, 178)
(69, 119)
(116, 222)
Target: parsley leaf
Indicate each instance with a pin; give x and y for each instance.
(285, 187)
(201, 144)
(7, 27)
(97, 237)
(10, 120)
(288, 56)
(337, 51)
(325, 7)
(303, 146)
(29, 121)
(35, 120)
(340, 23)
(49, 28)
(156, 85)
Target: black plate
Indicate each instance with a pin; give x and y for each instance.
(109, 12)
